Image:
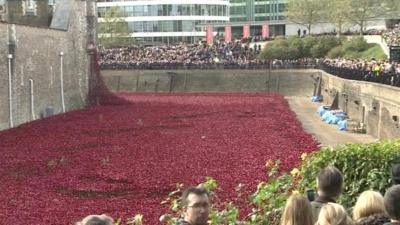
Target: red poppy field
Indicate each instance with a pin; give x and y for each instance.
(124, 159)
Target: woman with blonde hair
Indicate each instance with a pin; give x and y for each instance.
(370, 209)
(333, 214)
(96, 220)
(297, 211)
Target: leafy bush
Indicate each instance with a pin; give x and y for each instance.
(336, 52)
(308, 43)
(323, 45)
(364, 166)
(357, 44)
(295, 47)
(351, 55)
(374, 51)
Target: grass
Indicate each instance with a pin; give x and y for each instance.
(373, 51)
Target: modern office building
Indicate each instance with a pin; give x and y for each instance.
(255, 13)
(171, 21)
(168, 21)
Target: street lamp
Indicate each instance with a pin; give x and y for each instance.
(10, 57)
(62, 82)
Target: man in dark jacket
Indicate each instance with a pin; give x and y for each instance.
(329, 187)
(391, 201)
(196, 204)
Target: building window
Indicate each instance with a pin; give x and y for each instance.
(29, 8)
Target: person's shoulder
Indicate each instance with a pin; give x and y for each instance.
(182, 222)
(376, 219)
(317, 205)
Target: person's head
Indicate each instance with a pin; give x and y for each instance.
(368, 203)
(391, 202)
(396, 174)
(333, 214)
(196, 203)
(329, 182)
(297, 211)
(96, 220)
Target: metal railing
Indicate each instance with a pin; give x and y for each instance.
(386, 77)
(389, 78)
(177, 66)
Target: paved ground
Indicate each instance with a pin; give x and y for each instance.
(326, 134)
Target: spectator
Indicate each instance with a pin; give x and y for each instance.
(391, 201)
(297, 211)
(96, 220)
(392, 37)
(329, 187)
(333, 214)
(182, 55)
(369, 209)
(375, 71)
(196, 203)
(396, 174)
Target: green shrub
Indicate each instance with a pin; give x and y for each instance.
(364, 166)
(336, 52)
(308, 43)
(374, 51)
(324, 45)
(357, 44)
(352, 55)
(295, 47)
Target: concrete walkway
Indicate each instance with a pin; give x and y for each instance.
(377, 39)
(326, 134)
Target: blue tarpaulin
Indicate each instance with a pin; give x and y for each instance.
(342, 125)
(317, 98)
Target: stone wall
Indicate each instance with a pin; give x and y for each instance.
(376, 105)
(37, 57)
(287, 82)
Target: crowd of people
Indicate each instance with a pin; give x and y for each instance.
(240, 56)
(180, 56)
(384, 72)
(371, 208)
(392, 37)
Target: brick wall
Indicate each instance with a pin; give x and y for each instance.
(37, 57)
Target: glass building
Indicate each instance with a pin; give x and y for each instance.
(255, 13)
(168, 21)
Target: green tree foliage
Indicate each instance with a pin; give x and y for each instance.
(295, 47)
(114, 30)
(319, 47)
(305, 12)
(364, 167)
(323, 45)
(362, 11)
(337, 13)
(357, 48)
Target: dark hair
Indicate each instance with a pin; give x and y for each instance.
(396, 174)
(391, 201)
(330, 181)
(192, 190)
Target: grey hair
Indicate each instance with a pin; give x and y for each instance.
(96, 220)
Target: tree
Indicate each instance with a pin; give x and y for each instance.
(338, 13)
(305, 12)
(362, 11)
(113, 29)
